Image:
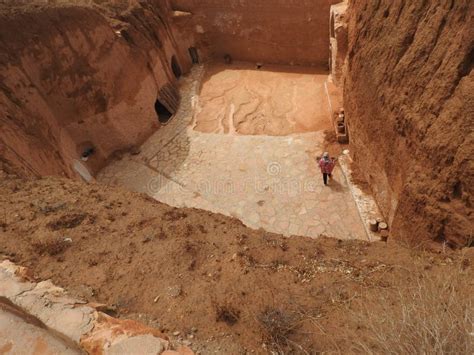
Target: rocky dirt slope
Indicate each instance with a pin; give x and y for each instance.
(409, 98)
(213, 283)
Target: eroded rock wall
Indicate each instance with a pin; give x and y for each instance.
(409, 99)
(338, 41)
(71, 78)
(268, 31)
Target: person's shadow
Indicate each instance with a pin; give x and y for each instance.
(335, 185)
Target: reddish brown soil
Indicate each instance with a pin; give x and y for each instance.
(409, 99)
(179, 269)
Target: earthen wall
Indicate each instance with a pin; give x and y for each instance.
(267, 31)
(70, 79)
(409, 100)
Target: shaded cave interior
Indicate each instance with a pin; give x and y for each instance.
(164, 115)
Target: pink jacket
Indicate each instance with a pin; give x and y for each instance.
(327, 166)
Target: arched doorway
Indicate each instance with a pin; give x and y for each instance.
(164, 115)
(175, 67)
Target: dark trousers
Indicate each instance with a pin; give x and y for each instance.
(325, 178)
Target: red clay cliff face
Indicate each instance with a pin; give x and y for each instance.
(268, 31)
(409, 98)
(69, 80)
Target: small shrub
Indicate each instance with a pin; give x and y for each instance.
(174, 215)
(51, 247)
(227, 314)
(277, 327)
(67, 221)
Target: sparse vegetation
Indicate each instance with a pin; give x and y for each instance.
(431, 315)
(243, 290)
(227, 314)
(277, 326)
(67, 221)
(174, 215)
(51, 247)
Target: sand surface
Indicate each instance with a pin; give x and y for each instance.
(273, 100)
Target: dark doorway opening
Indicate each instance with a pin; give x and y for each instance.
(194, 55)
(164, 115)
(175, 67)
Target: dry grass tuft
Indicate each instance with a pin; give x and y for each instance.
(433, 315)
(51, 247)
(278, 326)
(227, 314)
(67, 221)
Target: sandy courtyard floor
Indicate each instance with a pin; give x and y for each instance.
(274, 100)
(266, 181)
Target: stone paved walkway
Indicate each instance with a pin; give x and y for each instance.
(267, 182)
(22, 337)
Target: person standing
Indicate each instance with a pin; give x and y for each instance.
(327, 166)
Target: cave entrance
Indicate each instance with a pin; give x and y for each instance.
(164, 115)
(175, 67)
